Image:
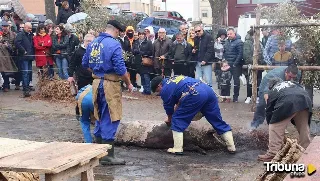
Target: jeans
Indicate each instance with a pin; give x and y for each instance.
(50, 71)
(204, 72)
(145, 81)
(236, 73)
(62, 64)
(260, 113)
(26, 70)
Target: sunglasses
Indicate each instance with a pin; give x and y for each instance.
(197, 31)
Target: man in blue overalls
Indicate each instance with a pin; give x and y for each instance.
(84, 98)
(192, 96)
(104, 58)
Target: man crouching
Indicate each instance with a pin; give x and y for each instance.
(192, 96)
(287, 102)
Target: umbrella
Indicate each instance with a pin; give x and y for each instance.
(77, 17)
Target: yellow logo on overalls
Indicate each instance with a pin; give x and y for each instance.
(176, 79)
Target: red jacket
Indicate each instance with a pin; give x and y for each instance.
(42, 46)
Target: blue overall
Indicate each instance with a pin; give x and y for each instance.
(86, 107)
(200, 99)
(104, 56)
(105, 129)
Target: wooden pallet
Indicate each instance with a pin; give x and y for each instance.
(57, 160)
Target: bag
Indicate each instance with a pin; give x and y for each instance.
(147, 61)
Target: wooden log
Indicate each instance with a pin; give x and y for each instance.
(255, 59)
(267, 67)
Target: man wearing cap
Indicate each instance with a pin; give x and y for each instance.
(192, 96)
(104, 58)
(73, 39)
(7, 50)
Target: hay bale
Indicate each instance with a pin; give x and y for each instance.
(56, 90)
(19, 176)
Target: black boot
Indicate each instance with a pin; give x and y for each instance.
(98, 140)
(110, 159)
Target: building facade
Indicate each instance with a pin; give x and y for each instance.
(205, 12)
(241, 7)
(235, 8)
(37, 6)
(136, 5)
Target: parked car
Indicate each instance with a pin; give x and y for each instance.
(171, 25)
(168, 14)
(137, 16)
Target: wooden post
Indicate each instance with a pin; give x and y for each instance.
(255, 58)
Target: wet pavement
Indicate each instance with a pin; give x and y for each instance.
(142, 164)
(48, 121)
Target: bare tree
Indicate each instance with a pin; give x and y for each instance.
(50, 10)
(218, 8)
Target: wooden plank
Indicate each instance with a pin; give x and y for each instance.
(53, 158)
(255, 58)
(73, 171)
(13, 146)
(286, 25)
(87, 175)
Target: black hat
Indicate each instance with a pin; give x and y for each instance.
(117, 25)
(221, 32)
(155, 83)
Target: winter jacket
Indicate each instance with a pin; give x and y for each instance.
(204, 46)
(218, 49)
(9, 38)
(24, 45)
(272, 47)
(225, 78)
(61, 47)
(143, 49)
(42, 46)
(248, 49)
(233, 51)
(63, 15)
(73, 43)
(104, 56)
(282, 59)
(82, 74)
(161, 48)
(285, 99)
(277, 72)
(125, 44)
(187, 52)
(6, 61)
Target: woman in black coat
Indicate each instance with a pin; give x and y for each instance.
(143, 48)
(64, 13)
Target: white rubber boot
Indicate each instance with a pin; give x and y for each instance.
(228, 138)
(177, 143)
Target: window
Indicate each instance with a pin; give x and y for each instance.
(204, 13)
(243, 1)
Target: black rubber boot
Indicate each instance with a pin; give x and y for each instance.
(98, 140)
(110, 159)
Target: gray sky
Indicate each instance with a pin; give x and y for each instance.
(184, 7)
